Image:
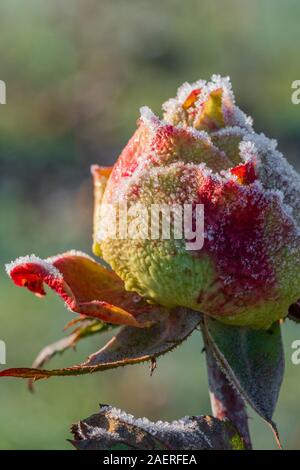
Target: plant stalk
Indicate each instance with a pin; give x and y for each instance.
(225, 400)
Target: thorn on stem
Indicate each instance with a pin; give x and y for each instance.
(153, 365)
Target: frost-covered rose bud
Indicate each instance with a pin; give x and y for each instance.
(204, 152)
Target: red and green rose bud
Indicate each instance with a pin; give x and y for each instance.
(205, 153)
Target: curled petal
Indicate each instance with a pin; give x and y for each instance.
(191, 99)
(86, 287)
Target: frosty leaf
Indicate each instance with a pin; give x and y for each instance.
(112, 429)
(294, 312)
(133, 345)
(130, 346)
(253, 362)
(86, 328)
(86, 287)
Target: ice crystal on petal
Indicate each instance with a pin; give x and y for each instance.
(233, 116)
(46, 264)
(52, 259)
(148, 117)
(248, 151)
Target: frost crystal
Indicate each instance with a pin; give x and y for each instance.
(185, 430)
(46, 264)
(52, 259)
(148, 116)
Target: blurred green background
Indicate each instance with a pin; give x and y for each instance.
(77, 72)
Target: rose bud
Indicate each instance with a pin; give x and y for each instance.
(240, 263)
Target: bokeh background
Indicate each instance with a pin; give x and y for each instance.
(77, 72)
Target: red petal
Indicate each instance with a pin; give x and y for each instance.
(192, 98)
(87, 287)
(245, 173)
